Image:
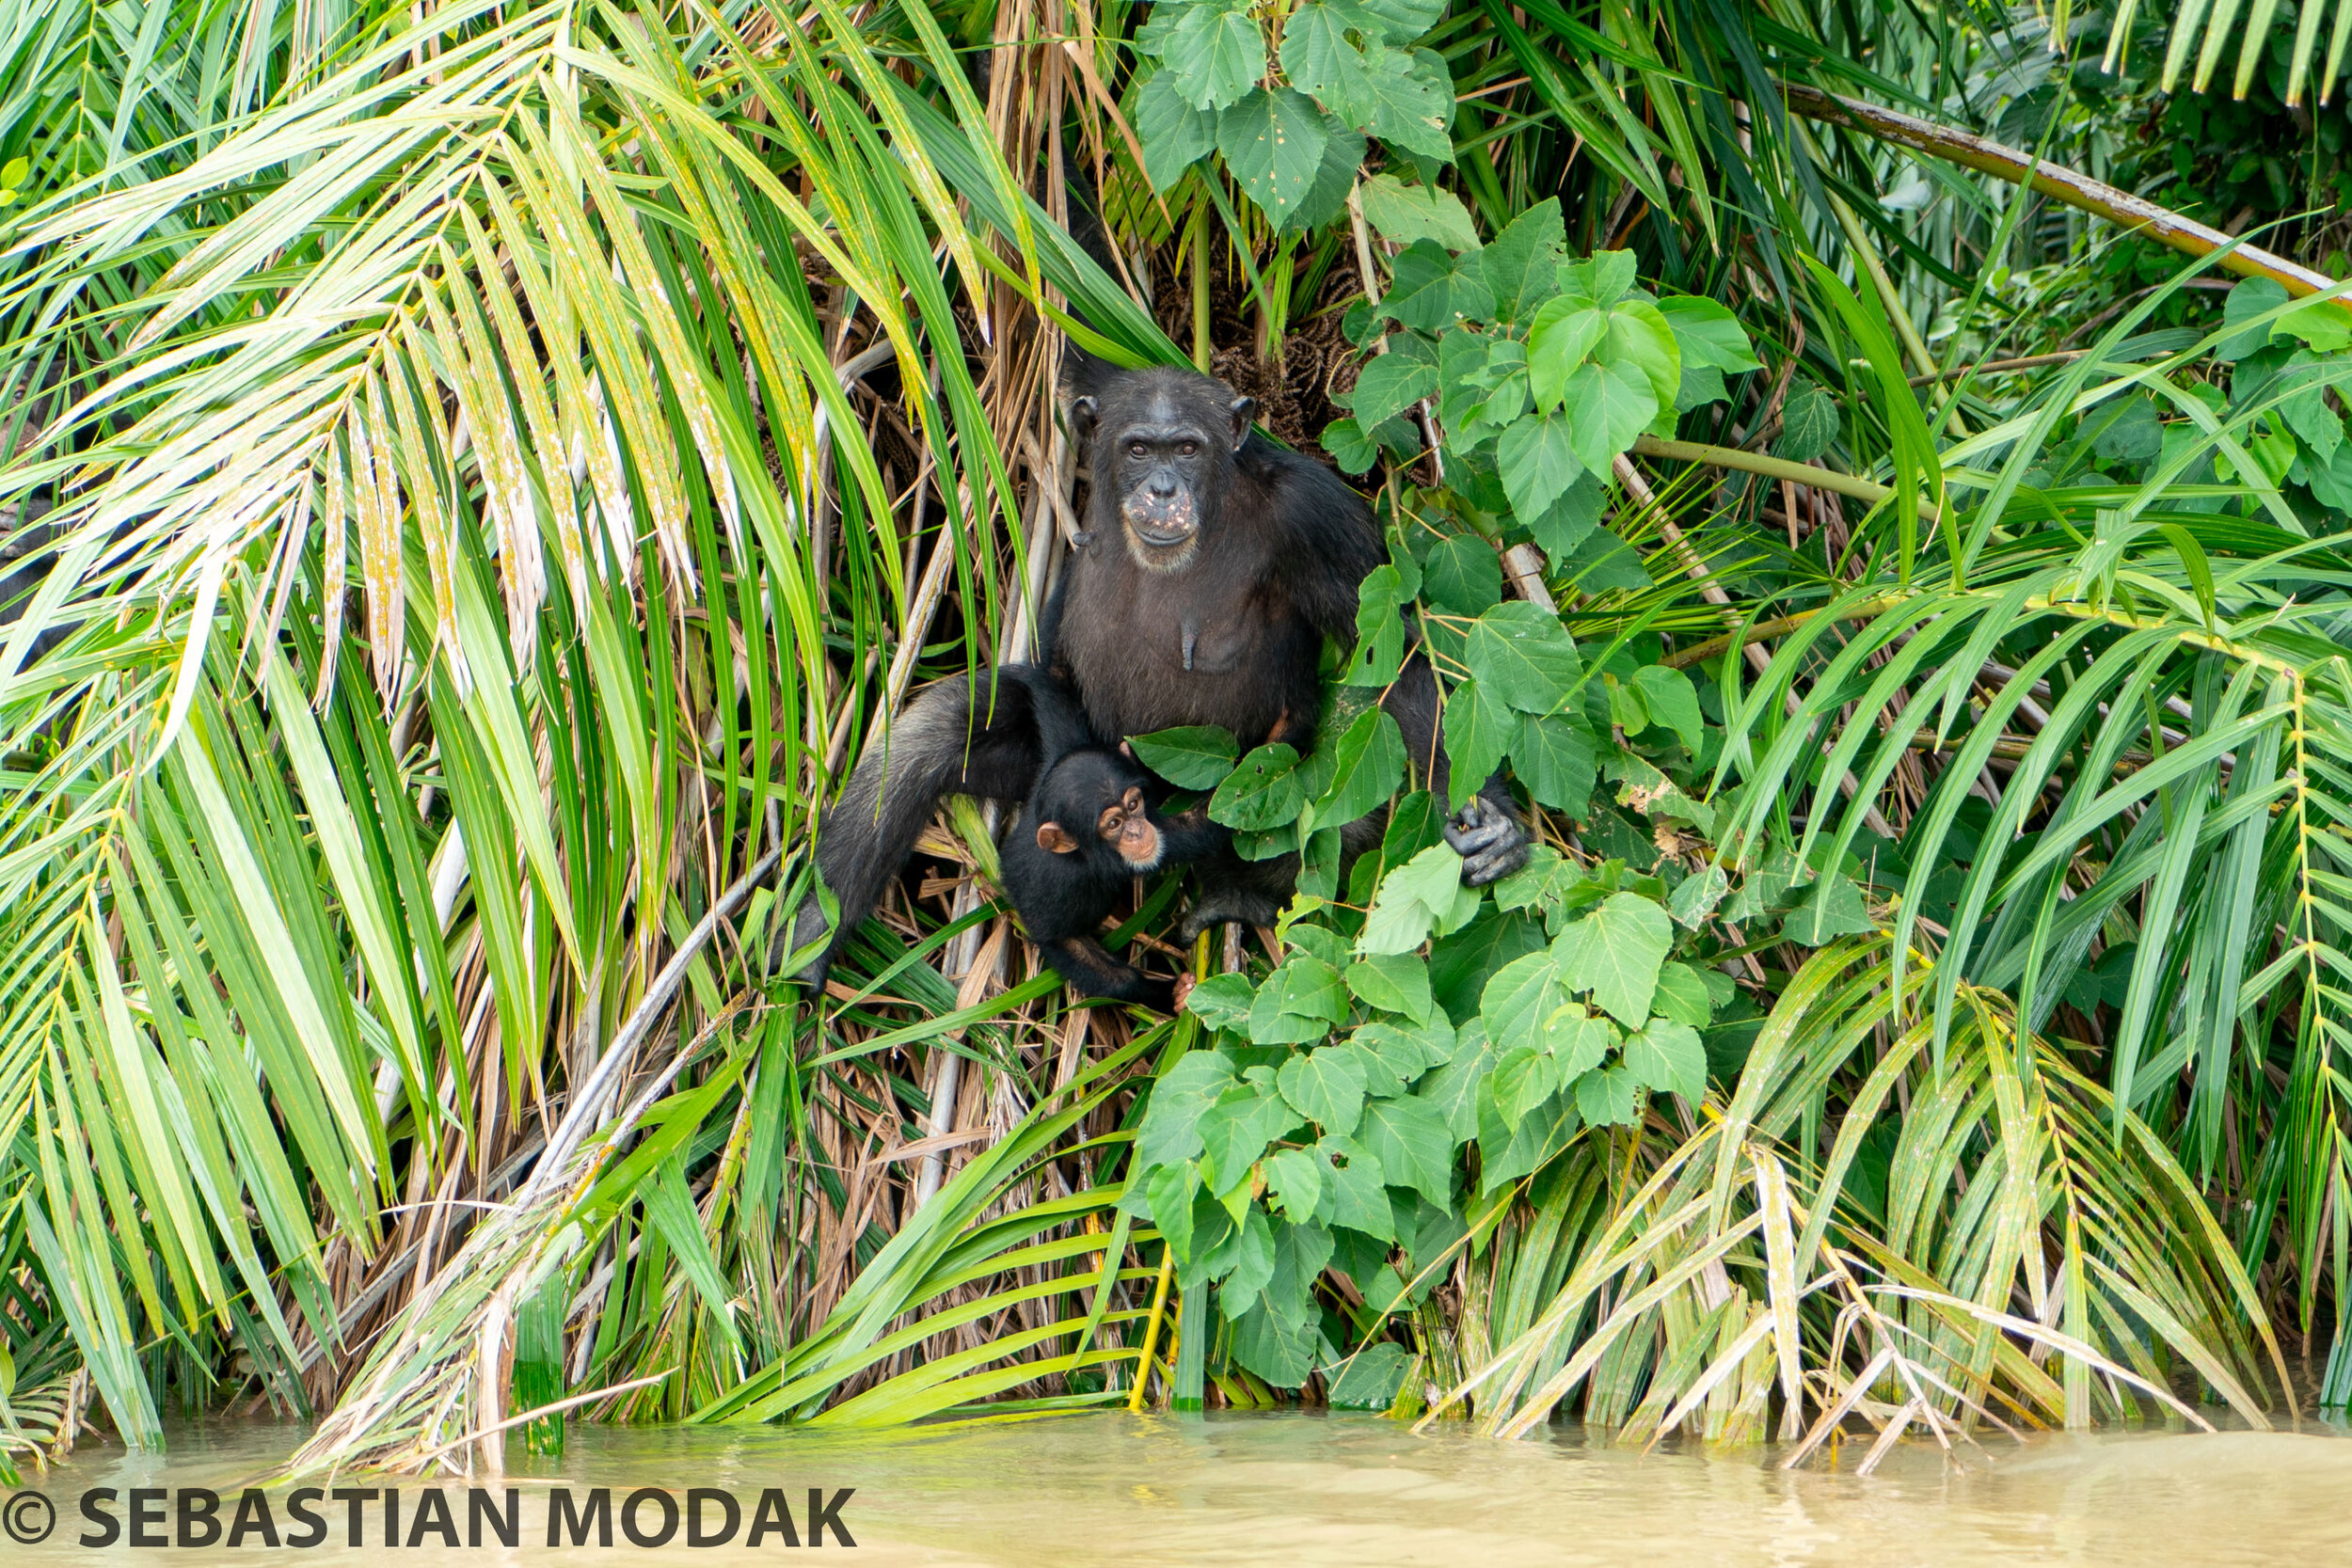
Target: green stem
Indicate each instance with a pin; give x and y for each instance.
(1201, 347)
(2060, 183)
(1773, 468)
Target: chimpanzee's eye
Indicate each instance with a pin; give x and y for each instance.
(1137, 448)
(1189, 448)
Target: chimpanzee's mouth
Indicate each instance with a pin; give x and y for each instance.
(1160, 522)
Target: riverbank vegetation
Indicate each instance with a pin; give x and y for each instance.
(475, 476)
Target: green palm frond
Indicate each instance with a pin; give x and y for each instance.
(2204, 29)
(2005, 1253)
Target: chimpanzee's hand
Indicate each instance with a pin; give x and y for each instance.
(1489, 839)
(1184, 983)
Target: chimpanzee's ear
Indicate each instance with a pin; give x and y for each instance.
(1128, 750)
(1242, 408)
(1051, 838)
(1082, 411)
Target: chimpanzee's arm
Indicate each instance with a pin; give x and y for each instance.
(1090, 970)
(1486, 833)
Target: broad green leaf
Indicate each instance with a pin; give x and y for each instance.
(1369, 1379)
(1173, 133)
(1808, 422)
(1615, 953)
(1379, 652)
(1395, 1054)
(2324, 324)
(1543, 882)
(2247, 300)
(1605, 562)
(1197, 756)
(1412, 96)
(1170, 1129)
(1479, 730)
(1695, 896)
(1452, 1091)
(1413, 1145)
(1667, 1055)
(1569, 520)
(1214, 52)
(1604, 1097)
(1169, 1190)
(1393, 982)
(1412, 898)
(1262, 792)
(1322, 63)
(1673, 702)
(1394, 382)
(1566, 332)
(1402, 213)
(1557, 760)
(1522, 262)
(1709, 333)
(1335, 176)
(1523, 1078)
(1462, 574)
(1638, 337)
(1367, 766)
(1304, 986)
(1397, 21)
(1538, 458)
(1248, 1263)
(1604, 276)
(1608, 405)
(1832, 907)
(1345, 442)
(1432, 290)
(1578, 1040)
(1523, 654)
(1326, 1086)
(1301, 1252)
(1272, 143)
(1280, 1352)
(1222, 1002)
(1295, 1180)
(1507, 1153)
(1235, 1130)
(1359, 1187)
(1681, 996)
(1519, 1001)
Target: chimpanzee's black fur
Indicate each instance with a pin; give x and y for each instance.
(1212, 565)
(1066, 888)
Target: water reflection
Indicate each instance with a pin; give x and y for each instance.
(1301, 1489)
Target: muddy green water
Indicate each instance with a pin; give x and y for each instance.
(1296, 1489)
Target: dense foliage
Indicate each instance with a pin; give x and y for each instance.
(474, 476)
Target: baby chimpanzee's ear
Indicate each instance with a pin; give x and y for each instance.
(1082, 412)
(1242, 408)
(1050, 836)
(1128, 750)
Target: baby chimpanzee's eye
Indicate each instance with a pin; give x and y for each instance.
(1137, 448)
(1189, 448)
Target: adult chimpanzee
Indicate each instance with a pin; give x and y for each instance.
(1085, 834)
(1212, 565)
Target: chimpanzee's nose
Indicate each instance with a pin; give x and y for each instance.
(1163, 484)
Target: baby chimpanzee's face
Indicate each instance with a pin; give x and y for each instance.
(1127, 827)
(1103, 788)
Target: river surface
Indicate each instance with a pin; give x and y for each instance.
(1307, 1489)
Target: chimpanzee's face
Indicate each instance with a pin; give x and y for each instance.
(1167, 455)
(1091, 788)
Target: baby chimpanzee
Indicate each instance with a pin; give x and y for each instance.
(1085, 831)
